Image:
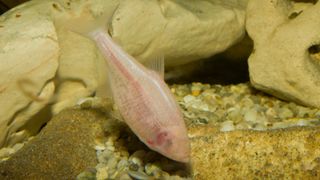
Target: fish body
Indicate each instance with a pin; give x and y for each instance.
(144, 101)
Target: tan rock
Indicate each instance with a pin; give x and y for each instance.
(77, 74)
(183, 31)
(277, 154)
(29, 50)
(282, 62)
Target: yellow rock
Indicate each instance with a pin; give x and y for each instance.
(282, 153)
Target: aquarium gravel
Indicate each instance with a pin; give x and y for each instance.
(232, 107)
(239, 107)
(123, 156)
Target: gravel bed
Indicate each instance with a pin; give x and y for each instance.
(239, 107)
(123, 156)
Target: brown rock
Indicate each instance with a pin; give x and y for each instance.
(63, 149)
(276, 154)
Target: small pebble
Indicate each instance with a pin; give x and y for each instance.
(138, 175)
(112, 163)
(151, 169)
(86, 175)
(227, 126)
(123, 164)
(133, 166)
(285, 113)
(110, 148)
(135, 160)
(188, 98)
(125, 176)
(102, 173)
(99, 147)
(251, 115)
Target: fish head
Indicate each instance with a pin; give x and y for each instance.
(173, 143)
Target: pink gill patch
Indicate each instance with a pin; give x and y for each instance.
(161, 138)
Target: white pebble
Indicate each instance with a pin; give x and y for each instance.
(303, 122)
(99, 148)
(227, 126)
(188, 98)
(102, 173)
(138, 175)
(251, 115)
(123, 164)
(110, 148)
(136, 161)
(112, 163)
(5, 152)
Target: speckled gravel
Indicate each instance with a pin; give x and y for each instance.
(233, 107)
(123, 156)
(240, 107)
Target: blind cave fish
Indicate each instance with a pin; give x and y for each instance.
(144, 100)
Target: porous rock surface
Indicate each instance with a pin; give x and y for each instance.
(40, 56)
(274, 154)
(63, 149)
(285, 59)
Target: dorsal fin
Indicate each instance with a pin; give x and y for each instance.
(156, 64)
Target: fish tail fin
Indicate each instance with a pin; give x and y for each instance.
(85, 24)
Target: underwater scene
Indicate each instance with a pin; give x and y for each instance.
(159, 89)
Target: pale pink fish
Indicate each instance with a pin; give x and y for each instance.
(144, 101)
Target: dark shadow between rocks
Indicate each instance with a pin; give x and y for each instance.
(229, 67)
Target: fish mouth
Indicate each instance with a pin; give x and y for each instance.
(185, 159)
